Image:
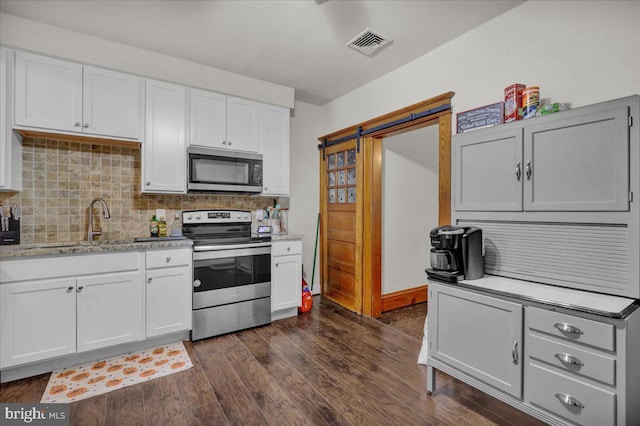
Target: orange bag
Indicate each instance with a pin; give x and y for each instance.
(307, 300)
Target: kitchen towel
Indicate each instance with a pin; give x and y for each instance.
(95, 378)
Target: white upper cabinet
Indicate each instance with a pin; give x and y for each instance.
(208, 119)
(243, 125)
(56, 95)
(112, 103)
(10, 142)
(48, 93)
(221, 121)
(275, 150)
(164, 149)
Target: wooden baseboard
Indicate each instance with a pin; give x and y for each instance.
(403, 298)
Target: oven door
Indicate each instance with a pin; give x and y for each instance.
(227, 276)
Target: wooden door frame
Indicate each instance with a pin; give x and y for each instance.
(371, 194)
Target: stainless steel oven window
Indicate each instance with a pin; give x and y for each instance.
(220, 269)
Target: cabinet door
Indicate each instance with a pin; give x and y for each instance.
(112, 103)
(488, 171)
(243, 125)
(286, 284)
(275, 150)
(37, 320)
(579, 163)
(168, 298)
(164, 151)
(478, 335)
(48, 93)
(208, 119)
(109, 310)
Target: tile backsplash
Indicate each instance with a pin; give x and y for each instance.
(60, 178)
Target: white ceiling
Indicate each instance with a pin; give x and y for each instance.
(295, 43)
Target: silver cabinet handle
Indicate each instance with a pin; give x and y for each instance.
(288, 248)
(148, 183)
(567, 328)
(569, 400)
(85, 125)
(168, 259)
(569, 359)
(80, 288)
(149, 280)
(197, 283)
(228, 142)
(69, 289)
(76, 124)
(514, 352)
(528, 170)
(224, 142)
(518, 171)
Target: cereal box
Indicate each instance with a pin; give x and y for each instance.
(513, 102)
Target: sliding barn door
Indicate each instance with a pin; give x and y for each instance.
(342, 226)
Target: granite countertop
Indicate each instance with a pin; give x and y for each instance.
(281, 237)
(78, 247)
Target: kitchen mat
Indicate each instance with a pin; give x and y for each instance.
(95, 378)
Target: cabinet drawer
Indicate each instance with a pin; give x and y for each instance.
(592, 406)
(572, 359)
(168, 258)
(287, 247)
(572, 328)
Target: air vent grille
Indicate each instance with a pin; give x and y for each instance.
(368, 42)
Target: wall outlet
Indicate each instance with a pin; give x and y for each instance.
(161, 213)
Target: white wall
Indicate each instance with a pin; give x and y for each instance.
(581, 52)
(410, 206)
(41, 38)
(304, 203)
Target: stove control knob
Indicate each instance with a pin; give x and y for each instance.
(197, 283)
(197, 217)
(189, 217)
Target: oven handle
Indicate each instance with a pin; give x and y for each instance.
(230, 246)
(219, 254)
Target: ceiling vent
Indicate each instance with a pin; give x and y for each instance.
(368, 42)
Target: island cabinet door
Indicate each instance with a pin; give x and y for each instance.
(478, 335)
(109, 310)
(37, 320)
(488, 171)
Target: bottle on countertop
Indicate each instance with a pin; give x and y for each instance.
(162, 227)
(153, 226)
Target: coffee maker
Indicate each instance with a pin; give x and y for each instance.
(456, 253)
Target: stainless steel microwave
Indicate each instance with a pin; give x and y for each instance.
(222, 170)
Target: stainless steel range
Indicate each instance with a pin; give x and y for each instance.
(231, 272)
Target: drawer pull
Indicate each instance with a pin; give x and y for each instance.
(514, 352)
(168, 259)
(567, 328)
(569, 359)
(568, 400)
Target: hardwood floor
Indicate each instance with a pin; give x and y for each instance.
(328, 366)
(409, 320)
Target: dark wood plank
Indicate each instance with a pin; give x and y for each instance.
(327, 366)
(233, 396)
(273, 400)
(316, 407)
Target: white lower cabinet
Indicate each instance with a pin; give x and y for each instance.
(574, 369)
(479, 335)
(286, 278)
(168, 291)
(38, 320)
(55, 306)
(109, 310)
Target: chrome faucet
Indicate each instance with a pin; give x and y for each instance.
(105, 213)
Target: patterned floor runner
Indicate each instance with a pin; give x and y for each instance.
(84, 381)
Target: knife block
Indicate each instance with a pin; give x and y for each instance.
(12, 236)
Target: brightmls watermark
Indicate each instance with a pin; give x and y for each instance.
(34, 414)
